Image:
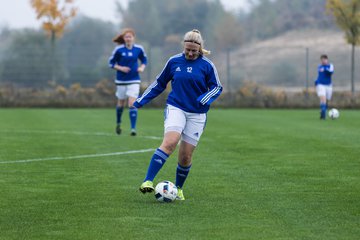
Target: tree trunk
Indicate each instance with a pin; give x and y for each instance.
(353, 69)
(53, 64)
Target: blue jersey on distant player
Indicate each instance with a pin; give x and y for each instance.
(127, 57)
(195, 84)
(325, 73)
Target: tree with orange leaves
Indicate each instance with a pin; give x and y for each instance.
(55, 15)
(347, 17)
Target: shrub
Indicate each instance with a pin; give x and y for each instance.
(249, 95)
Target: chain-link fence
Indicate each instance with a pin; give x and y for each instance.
(291, 68)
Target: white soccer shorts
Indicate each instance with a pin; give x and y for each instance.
(189, 125)
(324, 91)
(124, 91)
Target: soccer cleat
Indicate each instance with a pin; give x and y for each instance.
(180, 195)
(118, 129)
(133, 132)
(147, 187)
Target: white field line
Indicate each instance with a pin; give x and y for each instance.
(79, 156)
(74, 133)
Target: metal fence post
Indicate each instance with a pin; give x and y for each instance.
(149, 60)
(307, 71)
(228, 69)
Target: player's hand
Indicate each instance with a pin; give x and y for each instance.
(141, 69)
(321, 69)
(125, 69)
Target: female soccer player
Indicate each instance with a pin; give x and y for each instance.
(124, 60)
(195, 85)
(323, 84)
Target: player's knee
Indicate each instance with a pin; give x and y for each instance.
(322, 99)
(120, 103)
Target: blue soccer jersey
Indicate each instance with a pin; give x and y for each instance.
(195, 84)
(127, 57)
(324, 74)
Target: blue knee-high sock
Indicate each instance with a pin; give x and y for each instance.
(156, 163)
(133, 112)
(181, 175)
(323, 109)
(119, 111)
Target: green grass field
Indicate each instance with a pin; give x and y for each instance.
(257, 174)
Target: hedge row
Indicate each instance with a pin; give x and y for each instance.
(250, 95)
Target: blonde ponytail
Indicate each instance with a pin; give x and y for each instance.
(194, 36)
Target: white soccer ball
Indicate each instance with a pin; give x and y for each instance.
(334, 113)
(165, 191)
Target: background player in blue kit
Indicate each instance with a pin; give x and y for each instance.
(124, 60)
(324, 84)
(195, 85)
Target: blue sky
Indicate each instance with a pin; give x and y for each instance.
(20, 14)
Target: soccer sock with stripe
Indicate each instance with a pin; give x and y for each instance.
(133, 112)
(157, 161)
(119, 111)
(181, 175)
